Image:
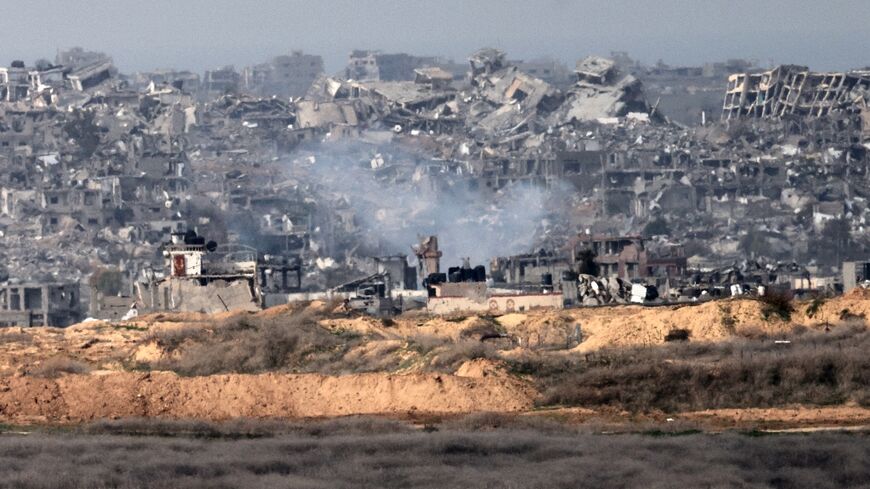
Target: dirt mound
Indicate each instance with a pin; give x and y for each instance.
(111, 345)
(794, 416)
(540, 329)
(638, 326)
(858, 293)
(480, 368)
(95, 343)
(364, 325)
(315, 307)
(148, 353)
(77, 398)
(854, 305)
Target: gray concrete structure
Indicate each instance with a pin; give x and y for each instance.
(39, 304)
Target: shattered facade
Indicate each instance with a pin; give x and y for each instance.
(795, 90)
(284, 76)
(40, 304)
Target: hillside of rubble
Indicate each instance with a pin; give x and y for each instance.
(714, 362)
(504, 163)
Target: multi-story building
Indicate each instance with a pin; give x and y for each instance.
(40, 304)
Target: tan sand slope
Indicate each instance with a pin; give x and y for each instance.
(77, 398)
(112, 346)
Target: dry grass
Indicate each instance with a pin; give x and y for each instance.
(56, 366)
(15, 336)
(239, 428)
(360, 455)
(248, 344)
(776, 303)
(298, 343)
(814, 368)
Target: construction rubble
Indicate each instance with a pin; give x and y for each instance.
(322, 183)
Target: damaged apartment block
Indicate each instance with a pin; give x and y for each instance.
(40, 304)
(794, 90)
(202, 278)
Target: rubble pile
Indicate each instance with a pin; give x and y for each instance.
(327, 171)
(596, 291)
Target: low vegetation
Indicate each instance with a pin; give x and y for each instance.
(14, 337)
(756, 370)
(298, 343)
(777, 303)
(677, 334)
(249, 344)
(481, 453)
(815, 306)
(56, 366)
(816, 368)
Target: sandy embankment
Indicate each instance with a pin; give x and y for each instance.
(77, 398)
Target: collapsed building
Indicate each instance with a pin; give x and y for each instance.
(465, 289)
(795, 90)
(283, 76)
(100, 168)
(367, 66)
(203, 278)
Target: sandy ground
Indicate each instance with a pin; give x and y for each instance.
(115, 389)
(792, 418)
(78, 398)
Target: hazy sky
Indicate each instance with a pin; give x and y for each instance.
(198, 34)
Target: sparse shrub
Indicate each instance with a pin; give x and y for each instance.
(815, 306)
(488, 421)
(173, 338)
(15, 337)
(56, 366)
(450, 356)
(484, 327)
(424, 344)
(814, 368)
(541, 366)
(678, 335)
(248, 344)
(727, 320)
(455, 317)
(847, 315)
(776, 303)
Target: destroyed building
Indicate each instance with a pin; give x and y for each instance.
(221, 81)
(368, 66)
(550, 70)
(100, 168)
(795, 90)
(627, 258)
(183, 80)
(201, 278)
(40, 304)
(465, 289)
(283, 76)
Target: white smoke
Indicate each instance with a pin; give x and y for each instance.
(408, 196)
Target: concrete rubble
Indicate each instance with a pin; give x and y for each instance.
(319, 174)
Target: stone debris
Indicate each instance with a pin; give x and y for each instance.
(520, 164)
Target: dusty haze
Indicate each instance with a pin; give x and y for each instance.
(199, 34)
